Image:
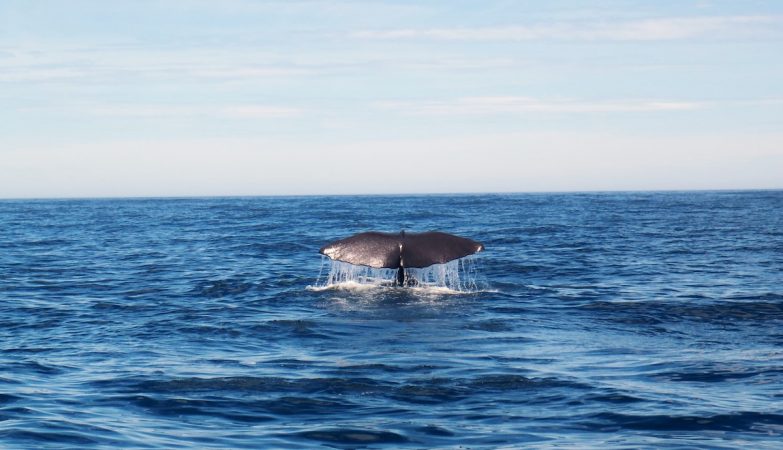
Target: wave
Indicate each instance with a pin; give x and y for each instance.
(383, 286)
(737, 422)
(353, 436)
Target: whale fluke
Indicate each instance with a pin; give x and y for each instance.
(400, 251)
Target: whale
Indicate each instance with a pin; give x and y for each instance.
(400, 250)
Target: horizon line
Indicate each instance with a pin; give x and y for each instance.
(410, 194)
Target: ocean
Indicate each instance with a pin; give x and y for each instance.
(591, 320)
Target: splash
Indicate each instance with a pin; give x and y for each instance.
(454, 276)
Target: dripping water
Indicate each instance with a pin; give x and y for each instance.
(459, 276)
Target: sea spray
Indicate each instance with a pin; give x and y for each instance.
(458, 276)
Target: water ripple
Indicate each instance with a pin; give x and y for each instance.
(627, 320)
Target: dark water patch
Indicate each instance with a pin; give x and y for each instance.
(294, 406)
(500, 360)
(221, 288)
(293, 364)
(8, 398)
(511, 382)
(159, 268)
(17, 413)
(753, 422)
(34, 367)
(30, 434)
(129, 304)
(719, 373)
(762, 298)
(442, 390)
(353, 436)
(434, 430)
(732, 311)
(665, 312)
(242, 409)
(379, 368)
(513, 311)
(288, 327)
(210, 331)
(34, 438)
(227, 409)
(27, 350)
(492, 326)
(610, 397)
(432, 392)
(246, 384)
(507, 240)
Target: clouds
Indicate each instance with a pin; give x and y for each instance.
(247, 111)
(301, 89)
(80, 62)
(520, 105)
(659, 29)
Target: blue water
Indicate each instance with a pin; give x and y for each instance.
(631, 320)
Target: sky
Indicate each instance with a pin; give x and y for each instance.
(296, 97)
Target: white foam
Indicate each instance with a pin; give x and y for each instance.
(458, 276)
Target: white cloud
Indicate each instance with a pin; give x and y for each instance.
(260, 112)
(518, 105)
(227, 111)
(236, 111)
(81, 63)
(672, 28)
(305, 8)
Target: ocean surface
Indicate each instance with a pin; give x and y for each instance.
(605, 320)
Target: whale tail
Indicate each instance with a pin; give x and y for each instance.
(400, 251)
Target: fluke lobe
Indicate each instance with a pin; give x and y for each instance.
(400, 251)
